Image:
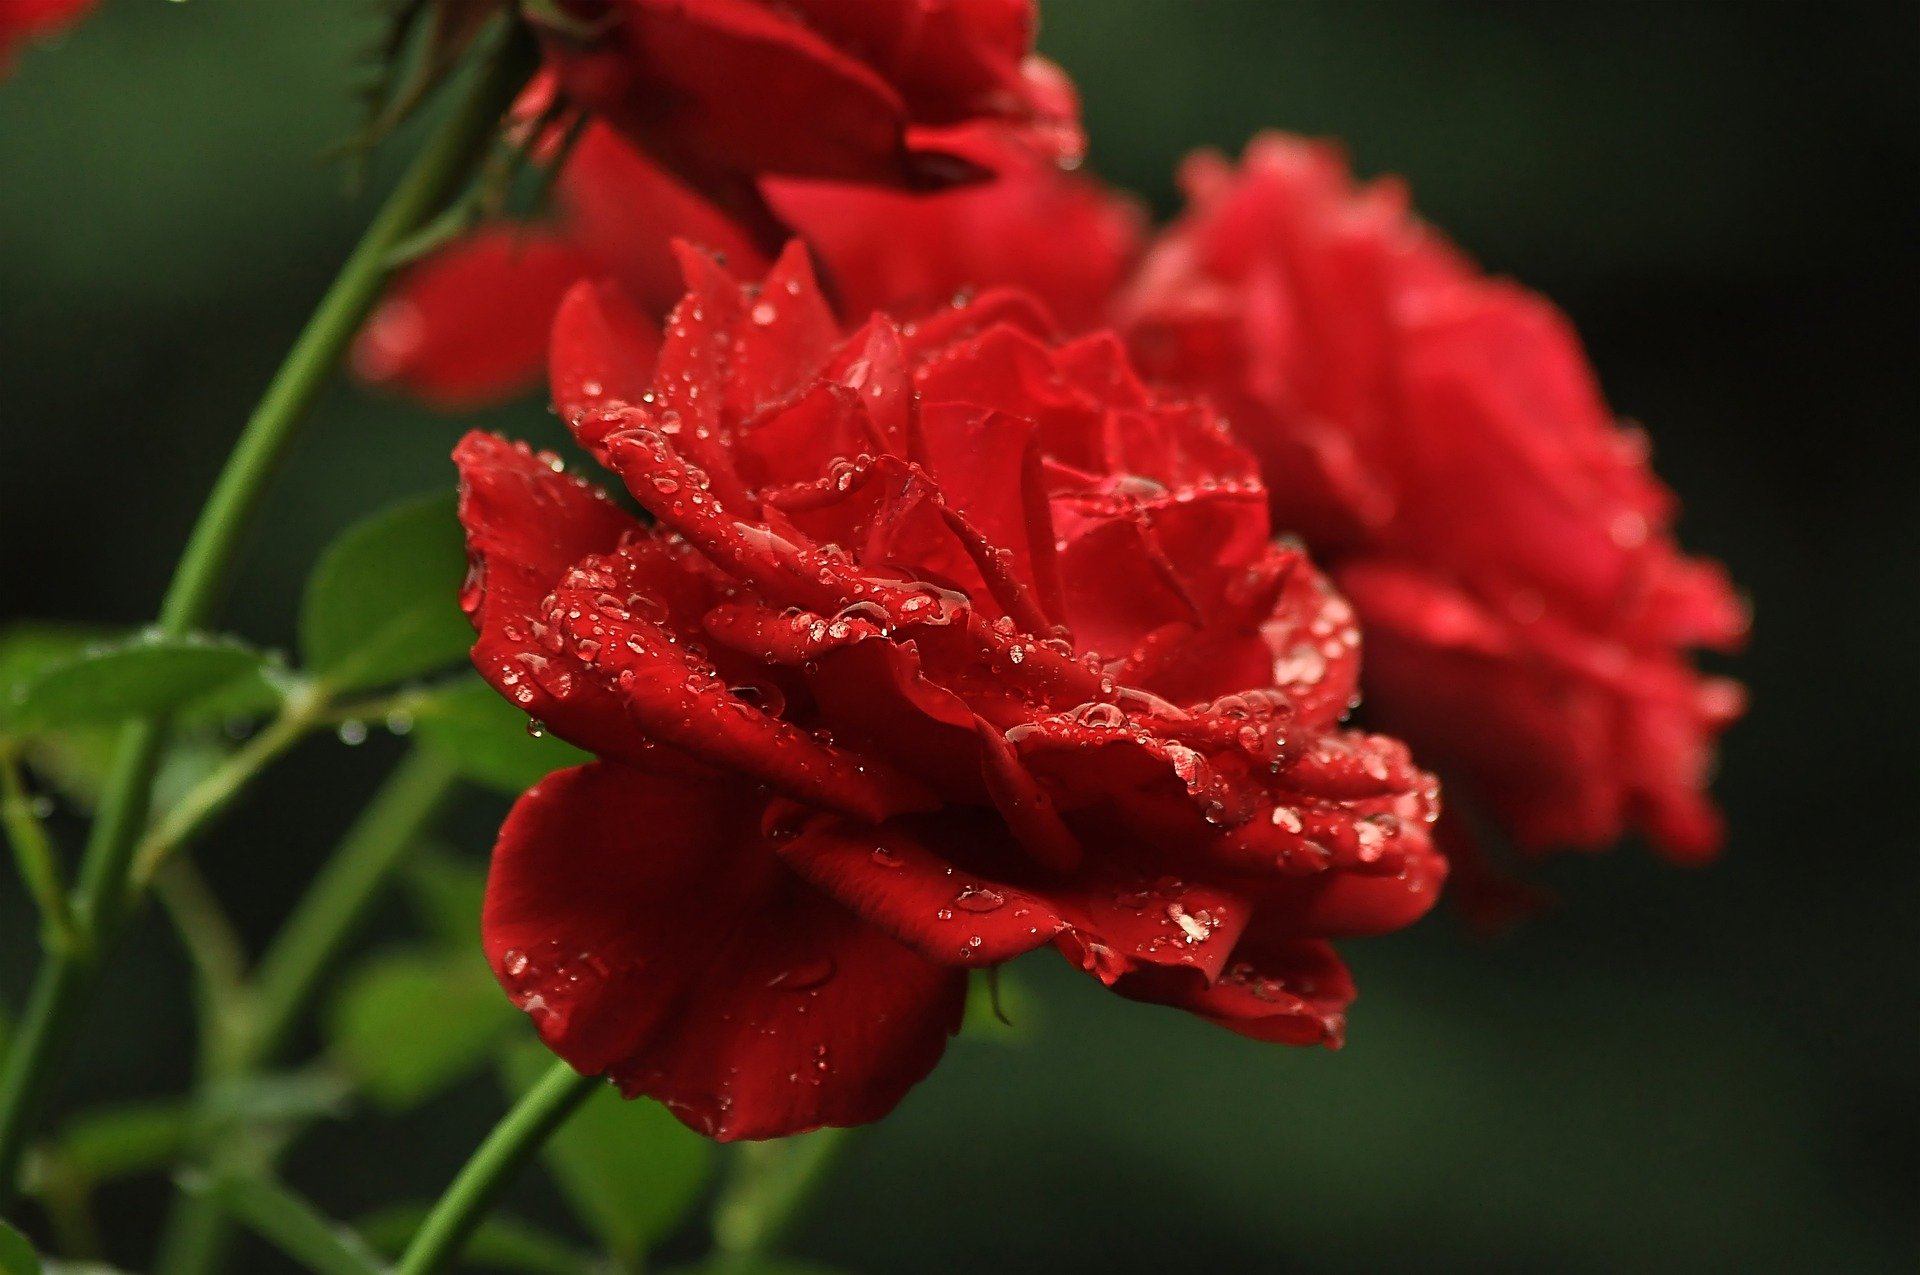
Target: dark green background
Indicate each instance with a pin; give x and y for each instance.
(1675, 1071)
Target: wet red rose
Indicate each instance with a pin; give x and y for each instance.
(724, 92)
(24, 20)
(944, 642)
(1438, 438)
(469, 325)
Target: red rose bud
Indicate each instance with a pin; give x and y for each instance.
(883, 91)
(1438, 438)
(468, 326)
(943, 642)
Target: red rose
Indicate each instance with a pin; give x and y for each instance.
(469, 325)
(1438, 439)
(945, 642)
(723, 92)
(24, 20)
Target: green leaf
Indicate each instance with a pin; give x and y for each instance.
(382, 603)
(407, 1025)
(501, 1243)
(17, 1257)
(27, 650)
(447, 894)
(147, 674)
(487, 739)
(114, 1142)
(275, 1098)
(76, 762)
(291, 1224)
(629, 1170)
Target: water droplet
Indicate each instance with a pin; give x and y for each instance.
(536, 729)
(805, 976)
(979, 899)
(352, 732)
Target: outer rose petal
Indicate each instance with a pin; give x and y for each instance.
(648, 929)
(908, 253)
(900, 877)
(468, 325)
(892, 87)
(1290, 992)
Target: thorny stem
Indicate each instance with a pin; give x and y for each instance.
(105, 891)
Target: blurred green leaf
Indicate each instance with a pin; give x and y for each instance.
(628, 1168)
(258, 692)
(107, 683)
(75, 762)
(406, 1025)
(113, 1142)
(16, 1255)
(447, 894)
(275, 1098)
(291, 1224)
(382, 603)
(487, 738)
(29, 649)
(501, 1243)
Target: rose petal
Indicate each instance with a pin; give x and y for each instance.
(650, 932)
(1289, 992)
(467, 326)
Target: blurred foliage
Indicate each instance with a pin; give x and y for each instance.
(1672, 1071)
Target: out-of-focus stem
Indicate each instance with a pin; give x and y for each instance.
(104, 894)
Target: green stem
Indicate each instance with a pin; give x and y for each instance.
(103, 896)
(207, 799)
(294, 968)
(513, 1142)
(213, 949)
(336, 905)
(33, 852)
(772, 1182)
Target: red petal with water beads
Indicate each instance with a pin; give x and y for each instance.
(1286, 991)
(648, 929)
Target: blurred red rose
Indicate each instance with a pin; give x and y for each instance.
(468, 326)
(945, 642)
(1438, 438)
(24, 20)
(724, 92)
